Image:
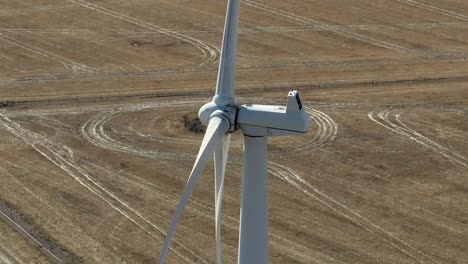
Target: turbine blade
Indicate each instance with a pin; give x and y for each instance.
(227, 64)
(217, 127)
(220, 159)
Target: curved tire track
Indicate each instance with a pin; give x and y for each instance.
(327, 132)
(210, 54)
(94, 132)
(383, 118)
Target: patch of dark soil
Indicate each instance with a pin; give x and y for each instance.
(137, 43)
(193, 124)
(6, 104)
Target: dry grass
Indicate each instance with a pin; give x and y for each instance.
(95, 153)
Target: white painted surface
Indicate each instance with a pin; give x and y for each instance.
(253, 237)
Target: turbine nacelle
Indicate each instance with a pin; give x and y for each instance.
(259, 120)
(273, 120)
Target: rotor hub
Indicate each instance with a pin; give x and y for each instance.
(220, 106)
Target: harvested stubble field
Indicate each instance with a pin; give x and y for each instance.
(94, 153)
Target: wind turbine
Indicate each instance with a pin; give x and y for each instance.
(223, 116)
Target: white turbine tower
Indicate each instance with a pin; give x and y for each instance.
(223, 116)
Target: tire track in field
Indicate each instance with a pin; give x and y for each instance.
(209, 53)
(343, 32)
(44, 244)
(232, 223)
(67, 63)
(92, 167)
(149, 133)
(461, 135)
(434, 9)
(93, 131)
(291, 177)
(396, 125)
(64, 158)
(327, 132)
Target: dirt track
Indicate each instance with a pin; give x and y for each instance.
(94, 153)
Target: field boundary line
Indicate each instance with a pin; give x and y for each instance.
(45, 249)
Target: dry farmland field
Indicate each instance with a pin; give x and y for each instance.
(94, 152)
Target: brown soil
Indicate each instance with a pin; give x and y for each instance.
(94, 151)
